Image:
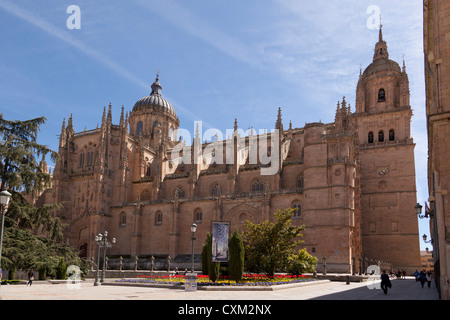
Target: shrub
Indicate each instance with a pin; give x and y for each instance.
(61, 270)
(301, 263)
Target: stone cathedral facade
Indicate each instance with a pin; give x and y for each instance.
(352, 180)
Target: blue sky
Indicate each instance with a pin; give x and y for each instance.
(217, 60)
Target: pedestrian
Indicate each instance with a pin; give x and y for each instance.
(385, 282)
(422, 278)
(428, 277)
(416, 274)
(30, 277)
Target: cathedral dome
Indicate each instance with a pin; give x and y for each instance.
(155, 102)
(380, 65)
(381, 61)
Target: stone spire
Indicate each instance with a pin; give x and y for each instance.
(279, 123)
(381, 46)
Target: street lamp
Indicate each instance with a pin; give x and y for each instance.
(424, 237)
(193, 229)
(102, 242)
(418, 208)
(106, 245)
(4, 201)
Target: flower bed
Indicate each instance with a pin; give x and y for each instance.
(202, 280)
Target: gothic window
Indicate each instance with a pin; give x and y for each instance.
(139, 128)
(179, 193)
(391, 135)
(297, 209)
(198, 216)
(381, 136)
(381, 95)
(148, 170)
(216, 190)
(370, 137)
(257, 186)
(90, 158)
(81, 159)
(300, 183)
(158, 218)
(123, 219)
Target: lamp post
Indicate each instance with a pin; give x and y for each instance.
(98, 241)
(5, 196)
(102, 242)
(193, 229)
(106, 245)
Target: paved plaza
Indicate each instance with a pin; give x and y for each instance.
(402, 289)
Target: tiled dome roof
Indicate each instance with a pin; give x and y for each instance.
(155, 102)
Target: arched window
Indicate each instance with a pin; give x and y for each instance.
(123, 219)
(158, 218)
(179, 193)
(171, 134)
(297, 209)
(216, 190)
(370, 137)
(257, 186)
(139, 128)
(243, 218)
(381, 95)
(381, 136)
(198, 216)
(300, 184)
(148, 170)
(391, 135)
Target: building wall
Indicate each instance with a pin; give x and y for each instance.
(437, 88)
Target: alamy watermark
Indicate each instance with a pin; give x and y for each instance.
(241, 147)
(374, 20)
(74, 20)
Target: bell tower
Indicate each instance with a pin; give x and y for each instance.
(386, 149)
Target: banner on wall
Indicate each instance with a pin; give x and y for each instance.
(220, 231)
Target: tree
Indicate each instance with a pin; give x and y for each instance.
(269, 245)
(25, 245)
(236, 256)
(212, 268)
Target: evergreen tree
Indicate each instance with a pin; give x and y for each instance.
(24, 177)
(236, 256)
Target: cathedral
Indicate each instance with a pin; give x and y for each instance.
(352, 180)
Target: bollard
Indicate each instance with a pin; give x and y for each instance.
(190, 282)
(347, 281)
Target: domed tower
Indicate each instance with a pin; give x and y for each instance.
(153, 119)
(383, 86)
(386, 151)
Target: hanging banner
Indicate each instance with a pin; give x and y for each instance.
(220, 231)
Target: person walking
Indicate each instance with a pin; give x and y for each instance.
(422, 278)
(30, 277)
(385, 282)
(428, 278)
